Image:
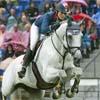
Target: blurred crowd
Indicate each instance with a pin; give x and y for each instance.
(17, 16)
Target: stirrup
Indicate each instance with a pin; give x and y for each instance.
(21, 74)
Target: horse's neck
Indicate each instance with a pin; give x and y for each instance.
(57, 38)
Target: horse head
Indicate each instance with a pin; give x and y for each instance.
(61, 43)
(74, 37)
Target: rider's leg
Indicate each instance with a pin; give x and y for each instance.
(29, 56)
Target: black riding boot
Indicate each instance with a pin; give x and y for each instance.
(29, 56)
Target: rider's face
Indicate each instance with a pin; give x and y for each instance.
(61, 15)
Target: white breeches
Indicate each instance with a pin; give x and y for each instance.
(34, 36)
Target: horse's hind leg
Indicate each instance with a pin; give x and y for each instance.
(3, 97)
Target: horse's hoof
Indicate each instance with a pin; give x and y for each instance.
(76, 90)
(69, 94)
(55, 95)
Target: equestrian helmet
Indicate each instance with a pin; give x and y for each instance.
(60, 8)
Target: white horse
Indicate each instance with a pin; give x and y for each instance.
(52, 59)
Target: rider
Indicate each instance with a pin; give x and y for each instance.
(42, 26)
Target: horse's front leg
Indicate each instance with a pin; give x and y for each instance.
(58, 89)
(73, 73)
(75, 87)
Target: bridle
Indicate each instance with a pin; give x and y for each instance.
(76, 48)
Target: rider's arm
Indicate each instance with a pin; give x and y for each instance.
(45, 24)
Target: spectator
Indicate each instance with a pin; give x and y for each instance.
(96, 18)
(9, 51)
(3, 4)
(76, 9)
(15, 2)
(7, 38)
(47, 7)
(23, 22)
(2, 32)
(11, 20)
(98, 2)
(17, 40)
(32, 11)
(25, 37)
(2, 17)
(16, 34)
(9, 5)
